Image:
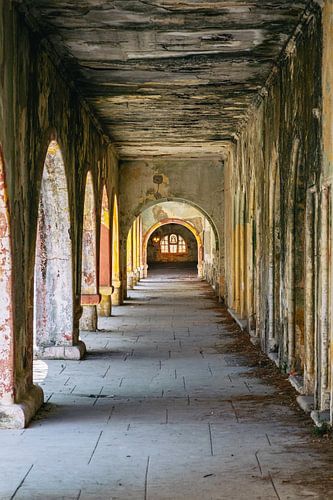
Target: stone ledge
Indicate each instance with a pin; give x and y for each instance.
(18, 415)
(273, 356)
(306, 403)
(106, 290)
(74, 352)
(90, 299)
(297, 383)
(242, 323)
(256, 341)
(321, 418)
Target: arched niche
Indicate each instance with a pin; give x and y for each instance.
(89, 276)
(53, 279)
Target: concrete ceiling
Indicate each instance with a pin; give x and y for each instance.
(168, 76)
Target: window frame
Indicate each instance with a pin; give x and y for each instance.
(168, 247)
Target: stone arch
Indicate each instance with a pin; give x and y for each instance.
(7, 382)
(213, 267)
(180, 222)
(89, 274)
(53, 278)
(150, 203)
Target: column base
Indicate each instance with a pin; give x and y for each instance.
(18, 415)
(88, 321)
(117, 296)
(104, 307)
(74, 352)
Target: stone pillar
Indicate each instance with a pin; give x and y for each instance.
(141, 253)
(129, 259)
(117, 294)
(56, 340)
(200, 261)
(19, 398)
(134, 253)
(327, 155)
(88, 319)
(105, 271)
(104, 308)
(130, 281)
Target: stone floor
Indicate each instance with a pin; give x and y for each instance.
(168, 404)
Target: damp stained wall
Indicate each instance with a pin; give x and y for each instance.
(276, 266)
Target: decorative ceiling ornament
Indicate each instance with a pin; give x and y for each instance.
(157, 179)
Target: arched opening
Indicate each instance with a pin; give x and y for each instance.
(116, 282)
(89, 278)
(53, 280)
(154, 250)
(156, 214)
(196, 221)
(172, 245)
(178, 208)
(7, 393)
(105, 289)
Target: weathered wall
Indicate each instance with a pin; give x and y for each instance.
(172, 210)
(326, 382)
(37, 105)
(278, 220)
(198, 181)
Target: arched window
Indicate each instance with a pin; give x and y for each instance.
(173, 243)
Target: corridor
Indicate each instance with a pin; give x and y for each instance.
(171, 402)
